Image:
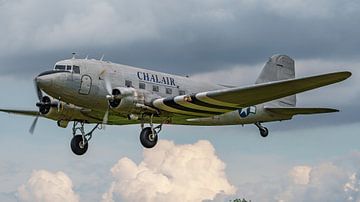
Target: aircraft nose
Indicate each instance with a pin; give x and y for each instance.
(44, 81)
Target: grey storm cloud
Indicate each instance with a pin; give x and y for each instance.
(180, 37)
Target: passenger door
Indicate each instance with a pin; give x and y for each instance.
(85, 85)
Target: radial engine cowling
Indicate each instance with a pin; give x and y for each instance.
(58, 110)
(126, 99)
(47, 105)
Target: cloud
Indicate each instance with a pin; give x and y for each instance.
(171, 172)
(182, 37)
(300, 174)
(336, 180)
(46, 186)
(236, 75)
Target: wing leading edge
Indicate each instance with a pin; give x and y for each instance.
(21, 112)
(221, 101)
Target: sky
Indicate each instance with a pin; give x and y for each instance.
(310, 158)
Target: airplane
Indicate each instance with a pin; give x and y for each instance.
(89, 91)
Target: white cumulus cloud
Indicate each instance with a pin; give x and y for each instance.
(336, 180)
(45, 186)
(171, 172)
(300, 174)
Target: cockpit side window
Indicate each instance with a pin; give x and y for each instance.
(76, 69)
(68, 68)
(60, 67)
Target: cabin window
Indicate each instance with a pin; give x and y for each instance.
(60, 67)
(76, 69)
(181, 92)
(128, 83)
(142, 85)
(168, 91)
(156, 88)
(68, 68)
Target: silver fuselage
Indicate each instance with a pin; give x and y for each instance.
(86, 89)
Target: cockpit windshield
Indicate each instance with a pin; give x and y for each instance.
(60, 67)
(71, 68)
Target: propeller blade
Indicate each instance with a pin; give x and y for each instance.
(106, 117)
(58, 106)
(33, 125)
(108, 86)
(38, 91)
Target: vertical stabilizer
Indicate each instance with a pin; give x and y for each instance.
(279, 67)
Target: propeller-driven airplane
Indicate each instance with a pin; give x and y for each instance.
(88, 91)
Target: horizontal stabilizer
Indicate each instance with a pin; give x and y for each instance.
(21, 112)
(296, 110)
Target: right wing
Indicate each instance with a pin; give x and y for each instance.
(21, 112)
(220, 101)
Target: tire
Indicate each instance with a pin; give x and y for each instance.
(264, 132)
(147, 139)
(75, 144)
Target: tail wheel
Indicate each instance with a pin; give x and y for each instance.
(148, 138)
(78, 145)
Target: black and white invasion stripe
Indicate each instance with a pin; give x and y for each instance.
(196, 105)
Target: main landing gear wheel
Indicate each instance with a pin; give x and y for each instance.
(264, 132)
(148, 137)
(80, 142)
(79, 145)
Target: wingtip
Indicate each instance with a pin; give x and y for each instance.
(335, 110)
(347, 74)
(343, 75)
(331, 110)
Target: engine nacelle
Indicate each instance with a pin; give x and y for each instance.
(126, 100)
(58, 110)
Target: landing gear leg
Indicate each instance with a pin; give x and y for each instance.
(264, 132)
(149, 135)
(79, 142)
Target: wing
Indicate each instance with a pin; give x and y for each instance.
(21, 112)
(225, 100)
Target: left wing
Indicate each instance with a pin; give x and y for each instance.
(21, 112)
(230, 99)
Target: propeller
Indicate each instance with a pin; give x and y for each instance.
(33, 125)
(38, 90)
(108, 86)
(40, 96)
(44, 105)
(109, 96)
(112, 96)
(106, 117)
